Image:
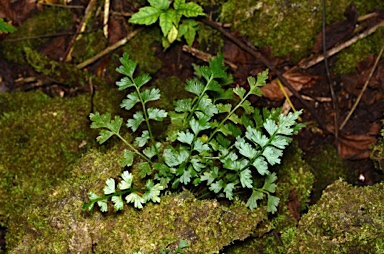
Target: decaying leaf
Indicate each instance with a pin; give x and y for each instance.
(298, 81)
(355, 145)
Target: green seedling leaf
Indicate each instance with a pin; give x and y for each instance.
(184, 105)
(281, 141)
(194, 86)
(157, 114)
(149, 151)
(172, 34)
(185, 178)
(126, 183)
(137, 200)
(217, 186)
(128, 66)
(197, 165)
(261, 165)
(141, 141)
(246, 178)
(201, 147)
(217, 67)
(146, 16)
(188, 29)
(150, 95)
(235, 130)
(145, 169)
(127, 158)
(103, 205)
(272, 204)
(239, 91)
(190, 9)
(124, 83)
(252, 201)
(134, 123)
(256, 136)
(272, 155)
(183, 243)
(207, 107)
(104, 136)
(153, 192)
(142, 80)
(245, 148)
(224, 108)
(270, 126)
(128, 104)
(110, 186)
(185, 137)
(159, 4)
(269, 184)
(228, 190)
(166, 23)
(118, 203)
(246, 105)
(210, 176)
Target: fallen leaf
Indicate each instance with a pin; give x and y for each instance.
(272, 90)
(355, 146)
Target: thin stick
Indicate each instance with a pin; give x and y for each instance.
(363, 90)
(330, 83)
(205, 56)
(109, 49)
(314, 60)
(106, 17)
(81, 28)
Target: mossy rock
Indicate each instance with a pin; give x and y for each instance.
(346, 219)
(57, 223)
(49, 21)
(294, 187)
(291, 27)
(40, 139)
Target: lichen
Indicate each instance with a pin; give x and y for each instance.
(346, 219)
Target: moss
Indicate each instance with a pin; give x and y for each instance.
(56, 223)
(49, 21)
(295, 182)
(346, 219)
(357, 52)
(327, 168)
(88, 45)
(65, 73)
(40, 139)
(288, 27)
(141, 49)
(210, 40)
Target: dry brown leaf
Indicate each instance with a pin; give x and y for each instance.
(272, 90)
(355, 145)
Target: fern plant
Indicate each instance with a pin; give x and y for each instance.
(171, 24)
(217, 142)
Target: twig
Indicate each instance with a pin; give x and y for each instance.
(330, 83)
(67, 55)
(271, 67)
(314, 60)
(109, 49)
(106, 17)
(64, 6)
(363, 90)
(205, 56)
